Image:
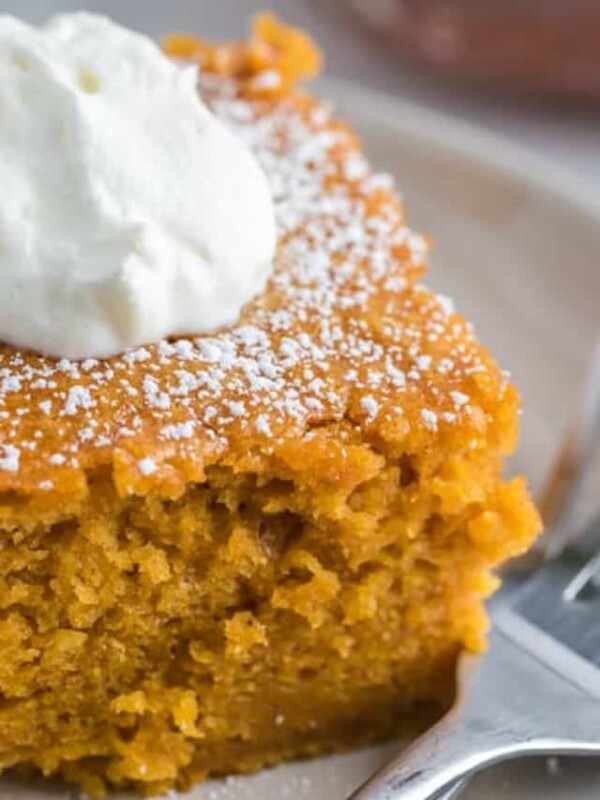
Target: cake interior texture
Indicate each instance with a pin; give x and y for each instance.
(186, 592)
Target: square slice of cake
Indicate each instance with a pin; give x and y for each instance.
(222, 551)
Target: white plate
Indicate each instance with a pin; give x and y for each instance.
(517, 247)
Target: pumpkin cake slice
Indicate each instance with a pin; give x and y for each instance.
(223, 551)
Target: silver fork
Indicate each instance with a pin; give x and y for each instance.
(537, 690)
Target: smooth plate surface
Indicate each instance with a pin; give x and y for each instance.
(517, 248)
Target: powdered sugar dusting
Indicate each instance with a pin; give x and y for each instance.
(343, 330)
(430, 419)
(9, 458)
(147, 466)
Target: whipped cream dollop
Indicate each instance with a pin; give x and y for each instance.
(128, 212)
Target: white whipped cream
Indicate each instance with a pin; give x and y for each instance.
(128, 212)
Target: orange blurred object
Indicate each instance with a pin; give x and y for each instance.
(533, 45)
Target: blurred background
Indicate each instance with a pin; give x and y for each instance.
(529, 69)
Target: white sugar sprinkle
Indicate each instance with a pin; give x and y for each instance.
(9, 458)
(355, 167)
(10, 384)
(459, 399)
(446, 303)
(269, 79)
(262, 425)
(147, 466)
(78, 398)
(236, 409)
(370, 406)
(179, 430)
(430, 419)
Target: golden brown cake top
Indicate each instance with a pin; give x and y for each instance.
(343, 340)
